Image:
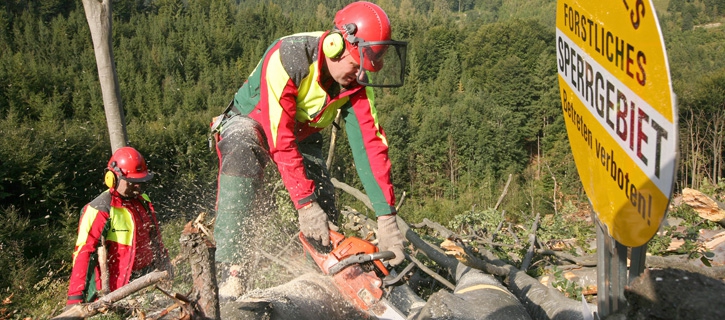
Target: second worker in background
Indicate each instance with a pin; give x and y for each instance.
(294, 92)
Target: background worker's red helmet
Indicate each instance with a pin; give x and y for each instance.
(364, 22)
(128, 164)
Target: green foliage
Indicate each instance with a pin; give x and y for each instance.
(689, 232)
(686, 213)
(565, 226)
(477, 220)
(716, 191)
(35, 259)
(660, 242)
(569, 288)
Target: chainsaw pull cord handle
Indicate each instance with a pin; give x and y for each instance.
(360, 258)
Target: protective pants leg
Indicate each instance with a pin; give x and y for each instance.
(242, 157)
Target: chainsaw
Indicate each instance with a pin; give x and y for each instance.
(358, 272)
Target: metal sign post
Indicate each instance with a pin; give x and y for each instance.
(621, 119)
(612, 271)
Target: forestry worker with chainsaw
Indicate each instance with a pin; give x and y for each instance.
(294, 92)
(123, 220)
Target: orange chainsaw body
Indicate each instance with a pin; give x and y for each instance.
(362, 288)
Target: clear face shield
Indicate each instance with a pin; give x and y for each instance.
(382, 63)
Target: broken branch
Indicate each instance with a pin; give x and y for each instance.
(532, 244)
(89, 309)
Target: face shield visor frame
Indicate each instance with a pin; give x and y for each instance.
(382, 63)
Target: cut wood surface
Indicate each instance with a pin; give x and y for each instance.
(705, 206)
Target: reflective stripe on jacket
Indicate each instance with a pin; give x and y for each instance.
(117, 220)
(285, 95)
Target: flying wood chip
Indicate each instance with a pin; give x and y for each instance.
(7, 300)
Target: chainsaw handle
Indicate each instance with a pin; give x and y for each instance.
(393, 279)
(383, 255)
(360, 258)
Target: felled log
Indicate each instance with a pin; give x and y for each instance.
(310, 296)
(477, 296)
(706, 207)
(684, 263)
(84, 310)
(541, 302)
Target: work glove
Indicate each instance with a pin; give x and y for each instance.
(313, 223)
(390, 238)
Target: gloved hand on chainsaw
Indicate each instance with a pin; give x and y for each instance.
(313, 223)
(390, 238)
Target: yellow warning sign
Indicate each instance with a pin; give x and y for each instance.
(619, 109)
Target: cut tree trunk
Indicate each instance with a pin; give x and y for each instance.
(199, 251)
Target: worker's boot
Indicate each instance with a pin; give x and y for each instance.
(233, 286)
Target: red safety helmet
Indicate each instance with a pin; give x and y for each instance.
(128, 164)
(364, 22)
(365, 27)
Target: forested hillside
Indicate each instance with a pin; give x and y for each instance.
(480, 103)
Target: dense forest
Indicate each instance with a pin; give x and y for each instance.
(480, 103)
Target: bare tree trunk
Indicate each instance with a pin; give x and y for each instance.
(98, 14)
(554, 197)
(718, 134)
(503, 193)
(694, 150)
(452, 161)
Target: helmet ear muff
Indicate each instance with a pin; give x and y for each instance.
(333, 45)
(109, 178)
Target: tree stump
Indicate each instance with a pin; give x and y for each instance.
(199, 251)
